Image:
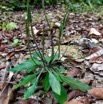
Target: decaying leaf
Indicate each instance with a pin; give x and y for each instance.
(28, 101)
(35, 30)
(57, 24)
(94, 31)
(74, 101)
(97, 68)
(75, 93)
(81, 100)
(97, 54)
(2, 48)
(96, 60)
(96, 92)
(73, 72)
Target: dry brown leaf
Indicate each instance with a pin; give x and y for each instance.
(2, 66)
(9, 35)
(96, 92)
(82, 100)
(95, 49)
(74, 101)
(74, 93)
(28, 101)
(2, 48)
(10, 55)
(73, 72)
(94, 31)
(96, 54)
(99, 60)
(96, 60)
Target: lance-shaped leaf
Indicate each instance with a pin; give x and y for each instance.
(54, 83)
(31, 89)
(62, 97)
(29, 64)
(75, 84)
(45, 83)
(25, 80)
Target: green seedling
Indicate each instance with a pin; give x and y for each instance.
(16, 42)
(11, 26)
(3, 26)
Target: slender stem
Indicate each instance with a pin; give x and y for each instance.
(51, 32)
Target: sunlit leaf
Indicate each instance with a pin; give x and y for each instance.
(54, 83)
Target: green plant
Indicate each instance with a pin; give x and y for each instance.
(16, 42)
(45, 67)
(10, 26)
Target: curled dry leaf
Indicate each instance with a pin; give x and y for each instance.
(96, 92)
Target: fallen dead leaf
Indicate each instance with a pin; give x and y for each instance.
(94, 31)
(2, 48)
(10, 55)
(57, 24)
(97, 68)
(96, 92)
(81, 100)
(35, 30)
(74, 101)
(73, 72)
(98, 60)
(96, 54)
(75, 93)
(2, 66)
(28, 101)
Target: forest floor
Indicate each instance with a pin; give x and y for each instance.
(82, 40)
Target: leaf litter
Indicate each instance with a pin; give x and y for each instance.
(82, 40)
